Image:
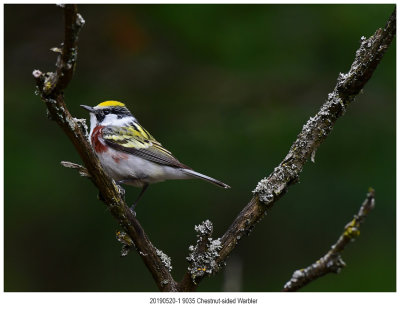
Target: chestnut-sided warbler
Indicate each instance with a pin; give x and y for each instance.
(129, 154)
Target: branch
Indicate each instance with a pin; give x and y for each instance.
(202, 259)
(81, 169)
(332, 261)
(314, 132)
(51, 86)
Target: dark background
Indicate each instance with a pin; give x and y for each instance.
(227, 89)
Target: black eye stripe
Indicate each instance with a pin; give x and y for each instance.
(120, 112)
(100, 116)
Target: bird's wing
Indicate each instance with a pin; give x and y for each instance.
(135, 139)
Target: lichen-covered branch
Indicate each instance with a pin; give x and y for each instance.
(313, 133)
(202, 257)
(50, 87)
(332, 261)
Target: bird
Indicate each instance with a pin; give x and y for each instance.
(129, 154)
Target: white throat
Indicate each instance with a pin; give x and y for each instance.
(93, 123)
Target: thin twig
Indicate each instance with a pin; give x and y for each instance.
(81, 169)
(314, 132)
(332, 261)
(51, 86)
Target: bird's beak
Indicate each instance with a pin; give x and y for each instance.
(89, 108)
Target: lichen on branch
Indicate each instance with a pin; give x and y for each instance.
(202, 257)
(332, 261)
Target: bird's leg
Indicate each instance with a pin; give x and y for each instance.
(138, 198)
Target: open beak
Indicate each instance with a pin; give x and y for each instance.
(89, 108)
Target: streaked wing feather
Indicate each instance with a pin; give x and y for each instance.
(137, 141)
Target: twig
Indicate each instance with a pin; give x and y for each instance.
(332, 261)
(202, 259)
(81, 169)
(51, 86)
(314, 132)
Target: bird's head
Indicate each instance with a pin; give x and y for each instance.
(109, 113)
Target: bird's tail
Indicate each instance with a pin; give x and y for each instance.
(206, 178)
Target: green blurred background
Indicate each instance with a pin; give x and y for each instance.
(227, 89)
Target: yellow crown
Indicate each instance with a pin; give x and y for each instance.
(111, 103)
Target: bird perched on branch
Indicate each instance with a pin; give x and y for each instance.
(129, 154)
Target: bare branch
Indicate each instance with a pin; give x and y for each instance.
(51, 86)
(81, 169)
(55, 83)
(332, 261)
(314, 132)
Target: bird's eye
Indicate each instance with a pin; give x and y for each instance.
(106, 112)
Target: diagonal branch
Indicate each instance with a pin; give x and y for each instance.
(332, 261)
(51, 86)
(314, 132)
